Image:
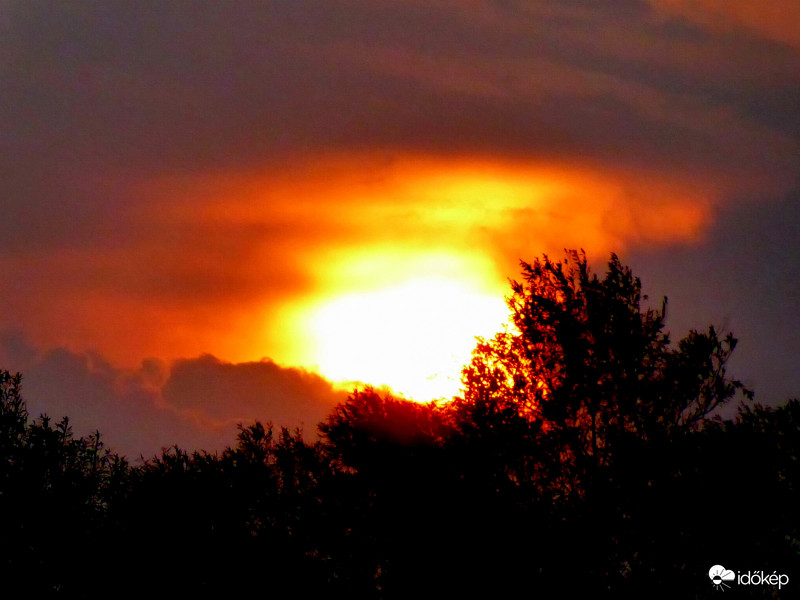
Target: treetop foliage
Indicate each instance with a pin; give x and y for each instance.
(583, 354)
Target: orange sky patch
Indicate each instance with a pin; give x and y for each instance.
(399, 261)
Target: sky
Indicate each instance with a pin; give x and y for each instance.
(214, 212)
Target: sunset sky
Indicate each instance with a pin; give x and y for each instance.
(219, 212)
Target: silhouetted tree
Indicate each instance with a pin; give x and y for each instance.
(584, 368)
(53, 498)
(240, 521)
(362, 432)
(581, 410)
(393, 483)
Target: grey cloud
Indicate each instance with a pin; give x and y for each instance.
(125, 407)
(247, 391)
(194, 403)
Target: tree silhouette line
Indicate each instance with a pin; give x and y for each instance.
(583, 457)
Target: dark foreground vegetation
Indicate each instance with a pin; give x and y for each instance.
(583, 458)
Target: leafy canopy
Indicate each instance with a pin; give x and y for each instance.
(588, 365)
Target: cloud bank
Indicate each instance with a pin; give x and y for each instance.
(193, 403)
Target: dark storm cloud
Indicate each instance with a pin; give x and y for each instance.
(95, 395)
(225, 391)
(194, 403)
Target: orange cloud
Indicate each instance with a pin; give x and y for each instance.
(387, 237)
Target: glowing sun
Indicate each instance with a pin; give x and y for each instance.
(414, 337)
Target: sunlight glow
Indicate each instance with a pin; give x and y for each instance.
(410, 257)
(382, 267)
(414, 337)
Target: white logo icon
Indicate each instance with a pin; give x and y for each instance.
(719, 575)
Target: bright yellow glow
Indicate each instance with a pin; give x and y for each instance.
(414, 337)
(399, 301)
